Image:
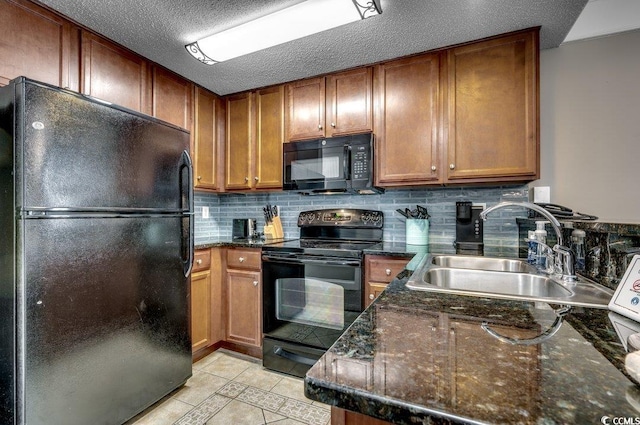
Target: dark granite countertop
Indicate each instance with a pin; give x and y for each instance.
(245, 243)
(418, 357)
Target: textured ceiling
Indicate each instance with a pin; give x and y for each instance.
(159, 29)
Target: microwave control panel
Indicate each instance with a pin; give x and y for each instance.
(360, 163)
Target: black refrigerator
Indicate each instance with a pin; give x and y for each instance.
(96, 215)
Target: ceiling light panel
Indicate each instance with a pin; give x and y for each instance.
(303, 19)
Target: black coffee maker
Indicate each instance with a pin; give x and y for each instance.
(469, 235)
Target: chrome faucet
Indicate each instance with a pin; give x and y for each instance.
(564, 256)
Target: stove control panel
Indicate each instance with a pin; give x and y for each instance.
(342, 217)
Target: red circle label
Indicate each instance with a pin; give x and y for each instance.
(636, 285)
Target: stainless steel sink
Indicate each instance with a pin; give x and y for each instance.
(505, 279)
(492, 282)
(483, 263)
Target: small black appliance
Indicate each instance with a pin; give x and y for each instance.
(469, 234)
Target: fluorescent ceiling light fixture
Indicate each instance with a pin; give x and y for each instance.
(300, 20)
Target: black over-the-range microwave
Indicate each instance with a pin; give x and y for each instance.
(333, 165)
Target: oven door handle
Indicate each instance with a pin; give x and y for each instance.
(307, 260)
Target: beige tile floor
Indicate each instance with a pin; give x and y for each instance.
(229, 388)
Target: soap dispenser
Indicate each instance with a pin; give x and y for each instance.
(541, 238)
(577, 246)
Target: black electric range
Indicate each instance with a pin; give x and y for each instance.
(313, 286)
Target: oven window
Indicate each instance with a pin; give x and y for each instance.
(310, 301)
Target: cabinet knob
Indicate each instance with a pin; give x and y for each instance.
(199, 177)
(452, 166)
(433, 168)
(256, 178)
(333, 125)
(371, 296)
(319, 126)
(241, 259)
(387, 272)
(246, 179)
(255, 283)
(198, 261)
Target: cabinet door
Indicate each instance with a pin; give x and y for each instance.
(373, 291)
(114, 74)
(269, 138)
(200, 310)
(243, 307)
(238, 144)
(349, 102)
(37, 44)
(407, 121)
(172, 98)
(493, 110)
(305, 109)
(205, 153)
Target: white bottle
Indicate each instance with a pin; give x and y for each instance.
(531, 247)
(577, 246)
(541, 238)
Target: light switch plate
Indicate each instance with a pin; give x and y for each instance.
(205, 212)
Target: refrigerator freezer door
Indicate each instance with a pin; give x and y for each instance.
(104, 317)
(79, 154)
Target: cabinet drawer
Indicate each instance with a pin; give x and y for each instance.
(201, 260)
(384, 269)
(239, 258)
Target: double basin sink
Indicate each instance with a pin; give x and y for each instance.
(505, 279)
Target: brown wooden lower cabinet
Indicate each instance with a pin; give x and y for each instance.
(378, 272)
(243, 299)
(207, 326)
(346, 417)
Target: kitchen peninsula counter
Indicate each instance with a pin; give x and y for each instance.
(420, 357)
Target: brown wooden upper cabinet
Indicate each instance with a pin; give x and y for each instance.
(334, 105)
(254, 138)
(493, 130)
(408, 121)
(208, 137)
(37, 44)
(468, 114)
(172, 98)
(114, 74)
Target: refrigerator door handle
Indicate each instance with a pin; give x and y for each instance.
(186, 188)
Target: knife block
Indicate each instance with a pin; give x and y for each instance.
(274, 230)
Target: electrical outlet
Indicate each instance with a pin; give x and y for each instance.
(205, 212)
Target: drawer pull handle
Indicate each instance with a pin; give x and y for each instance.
(255, 283)
(388, 272)
(198, 261)
(241, 259)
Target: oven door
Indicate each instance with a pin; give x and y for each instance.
(308, 302)
(316, 165)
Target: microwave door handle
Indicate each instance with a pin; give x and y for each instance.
(347, 163)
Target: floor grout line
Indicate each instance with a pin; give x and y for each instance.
(290, 408)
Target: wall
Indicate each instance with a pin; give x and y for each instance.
(590, 126)
(501, 229)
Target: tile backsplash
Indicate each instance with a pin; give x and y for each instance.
(500, 229)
